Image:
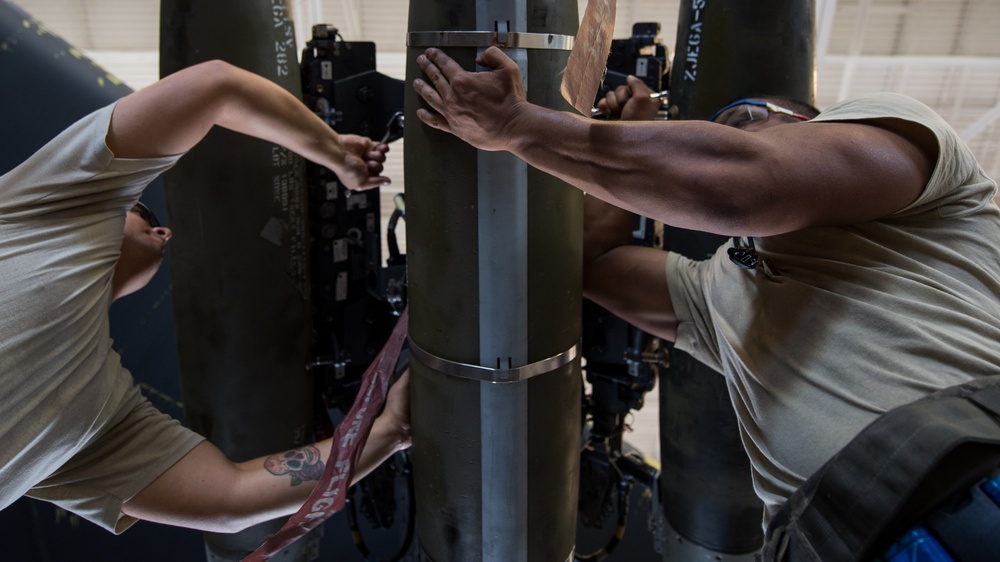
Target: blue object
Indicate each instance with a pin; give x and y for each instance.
(992, 488)
(917, 545)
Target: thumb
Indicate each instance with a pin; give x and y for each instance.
(494, 58)
(637, 86)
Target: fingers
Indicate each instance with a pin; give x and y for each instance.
(447, 65)
(371, 182)
(433, 98)
(377, 155)
(439, 85)
(614, 102)
(613, 107)
(621, 95)
(398, 405)
(433, 119)
(374, 163)
(439, 69)
(638, 87)
(466, 104)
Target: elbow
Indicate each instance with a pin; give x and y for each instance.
(729, 218)
(235, 519)
(216, 520)
(228, 526)
(239, 504)
(592, 286)
(605, 228)
(238, 523)
(216, 78)
(215, 67)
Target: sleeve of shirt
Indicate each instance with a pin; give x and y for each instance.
(76, 173)
(957, 185)
(688, 285)
(118, 464)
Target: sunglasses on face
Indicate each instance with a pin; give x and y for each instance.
(741, 112)
(143, 211)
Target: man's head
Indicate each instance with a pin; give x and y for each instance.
(751, 114)
(142, 251)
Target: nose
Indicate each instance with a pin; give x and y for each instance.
(163, 232)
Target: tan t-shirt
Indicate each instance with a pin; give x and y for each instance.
(856, 319)
(63, 391)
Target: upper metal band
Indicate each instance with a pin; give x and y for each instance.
(477, 39)
(486, 374)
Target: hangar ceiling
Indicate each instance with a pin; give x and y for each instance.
(945, 53)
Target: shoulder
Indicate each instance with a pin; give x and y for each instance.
(907, 117)
(73, 156)
(957, 182)
(880, 105)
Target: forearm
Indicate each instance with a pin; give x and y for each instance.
(385, 439)
(282, 489)
(257, 107)
(627, 279)
(172, 115)
(208, 492)
(672, 172)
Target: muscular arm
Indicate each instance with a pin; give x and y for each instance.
(689, 174)
(172, 115)
(206, 491)
(722, 180)
(626, 279)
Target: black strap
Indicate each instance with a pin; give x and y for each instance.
(897, 469)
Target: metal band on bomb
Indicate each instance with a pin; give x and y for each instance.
(484, 39)
(498, 375)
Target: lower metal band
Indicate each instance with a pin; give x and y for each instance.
(483, 39)
(424, 557)
(500, 374)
